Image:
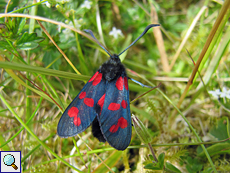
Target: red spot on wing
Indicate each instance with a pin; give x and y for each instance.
(82, 95)
(113, 128)
(77, 121)
(97, 80)
(126, 83)
(124, 104)
(120, 83)
(122, 123)
(89, 102)
(73, 112)
(114, 106)
(92, 78)
(101, 101)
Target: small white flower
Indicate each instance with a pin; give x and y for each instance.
(225, 93)
(115, 32)
(86, 4)
(217, 93)
(67, 32)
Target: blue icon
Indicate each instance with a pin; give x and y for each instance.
(9, 160)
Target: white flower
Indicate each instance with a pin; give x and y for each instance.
(217, 93)
(225, 93)
(86, 4)
(67, 32)
(115, 32)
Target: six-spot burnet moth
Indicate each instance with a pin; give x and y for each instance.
(104, 103)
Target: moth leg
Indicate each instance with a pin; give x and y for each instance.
(139, 83)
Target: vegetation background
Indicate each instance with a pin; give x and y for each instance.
(46, 58)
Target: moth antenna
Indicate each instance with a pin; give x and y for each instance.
(143, 33)
(103, 47)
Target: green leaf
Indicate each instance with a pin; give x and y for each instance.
(28, 41)
(41, 70)
(12, 27)
(152, 166)
(172, 167)
(21, 25)
(4, 45)
(52, 59)
(156, 166)
(151, 157)
(220, 131)
(218, 148)
(28, 46)
(124, 46)
(193, 165)
(161, 159)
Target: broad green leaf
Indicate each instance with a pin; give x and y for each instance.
(153, 166)
(193, 165)
(52, 59)
(28, 41)
(218, 148)
(220, 131)
(161, 159)
(172, 167)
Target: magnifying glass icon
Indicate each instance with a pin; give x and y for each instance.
(9, 160)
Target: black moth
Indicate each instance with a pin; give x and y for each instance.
(104, 103)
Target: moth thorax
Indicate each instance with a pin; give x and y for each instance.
(112, 69)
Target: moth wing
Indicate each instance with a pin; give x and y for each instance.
(114, 117)
(80, 113)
